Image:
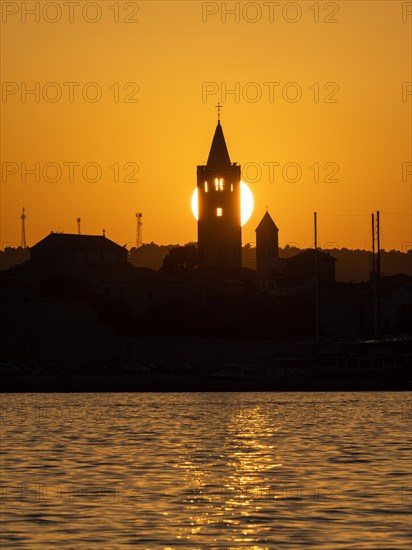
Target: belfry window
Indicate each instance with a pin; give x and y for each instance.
(219, 184)
(206, 189)
(219, 212)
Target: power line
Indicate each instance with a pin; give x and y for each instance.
(396, 213)
(325, 214)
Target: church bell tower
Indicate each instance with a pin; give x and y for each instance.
(219, 221)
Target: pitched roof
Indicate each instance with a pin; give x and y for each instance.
(266, 223)
(309, 256)
(218, 155)
(78, 242)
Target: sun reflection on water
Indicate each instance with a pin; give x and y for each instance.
(207, 470)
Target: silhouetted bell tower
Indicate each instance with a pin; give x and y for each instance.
(267, 243)
(219, 225)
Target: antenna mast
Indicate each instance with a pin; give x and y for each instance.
(23, 229)
(139, 237)
(78, 226)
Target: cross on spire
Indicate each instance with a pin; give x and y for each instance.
(218, 107)
(267, 208)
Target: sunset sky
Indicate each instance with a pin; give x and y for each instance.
(320, 88)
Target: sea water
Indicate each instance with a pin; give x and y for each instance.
(206, 470)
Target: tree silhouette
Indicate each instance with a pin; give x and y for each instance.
(182, 258)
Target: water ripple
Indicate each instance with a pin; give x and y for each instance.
(233, 470)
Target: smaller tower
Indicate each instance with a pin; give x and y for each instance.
(139, 236)
(23, 229)
(267, 243)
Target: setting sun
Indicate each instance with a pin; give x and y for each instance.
(246, 206)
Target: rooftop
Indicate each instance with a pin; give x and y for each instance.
(78, 242)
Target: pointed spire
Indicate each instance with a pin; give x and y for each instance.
(267, 223)
(219, 155)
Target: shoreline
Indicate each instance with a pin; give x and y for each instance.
(312, 380)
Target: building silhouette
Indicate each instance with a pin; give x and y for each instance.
(267, 243)
(65, 247)
(301, 267)
(219, 221)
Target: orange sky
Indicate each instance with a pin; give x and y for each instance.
(175, 54)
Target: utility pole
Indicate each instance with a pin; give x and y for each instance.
(378, 273)
(378, 243)
(139, 236)
(316, 277)
(375, 299)
(373, 243)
